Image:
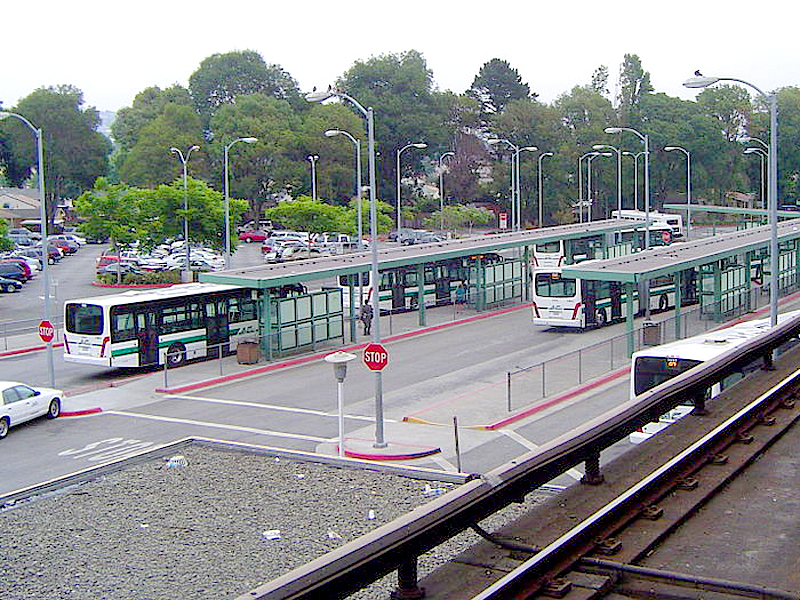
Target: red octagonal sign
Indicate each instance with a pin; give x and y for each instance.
(46, 331)
(375, 357)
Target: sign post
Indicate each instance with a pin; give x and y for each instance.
(46, 331)
(375, 357)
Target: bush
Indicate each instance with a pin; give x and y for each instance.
(149, 278)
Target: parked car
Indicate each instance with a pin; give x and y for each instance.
(54, 254)
(66, 246)
(13, 271)
(70, 237)
(34, 263)
(21, 239)
(35, 235)
(107, 259)
(26, 268)
(253, 236)
(398, 234)
(421, 238)
(9, 285)
(20, 403)
(123, 268)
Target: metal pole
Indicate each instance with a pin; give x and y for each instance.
(619, 180)
(688, 194)
(458, 451)
(647, 196)
(772, 164)
(340, 394)
(186, 216)
(227, 213)
(45, 249)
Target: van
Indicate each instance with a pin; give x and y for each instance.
(13, 270)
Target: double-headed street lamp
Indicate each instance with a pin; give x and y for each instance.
(688, 185)
(619, 172)
(441, 188)
(763, 156)
(184, 160)
(580, 184)
(589, 160)
(246, 140)
(399, 152)
(357, 144)
(772, 164)
(645, 141)
(516, 206)
(313, 158)
(369, 115)
(635, 176)
(539, 175)
(43, 228)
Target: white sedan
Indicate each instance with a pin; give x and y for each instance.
(20, 403)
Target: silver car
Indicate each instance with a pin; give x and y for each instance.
(20, 403)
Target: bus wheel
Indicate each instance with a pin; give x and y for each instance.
(176, 355)
(601, 319)
(663, 302)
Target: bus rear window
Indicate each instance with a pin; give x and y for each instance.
(84, 319)
(552, 285)
(549, 247)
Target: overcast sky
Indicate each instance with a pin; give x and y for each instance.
(112, 51)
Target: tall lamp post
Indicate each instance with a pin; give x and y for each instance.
(772, 164)
(399, 152)
(184, 160)
(357, 144)
(369, 115)
(246, 140)
(516, 205)
(580, 184)
(763, 156)
(688, 185)
(43, 227)
(589, 160)
(619, 171)
(635, 176)
(646, 142)
(441, 188)
(539, 175)
(313, 158)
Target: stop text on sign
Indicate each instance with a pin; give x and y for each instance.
(375, 357)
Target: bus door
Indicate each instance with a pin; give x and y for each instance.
(616, 300)
(589, 294)
(217, 332)
(398, 290)
(147, 334)
(442, 283)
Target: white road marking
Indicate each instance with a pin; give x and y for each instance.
(445, 464)
(294, 436)
(574, 473)
(304, 411)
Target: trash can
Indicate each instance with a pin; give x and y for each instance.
(247, 353)
(651, 333)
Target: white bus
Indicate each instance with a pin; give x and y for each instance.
(655, 365)
(561, 301)
(148, 327)
(674, 222)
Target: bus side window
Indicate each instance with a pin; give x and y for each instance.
(122, 327)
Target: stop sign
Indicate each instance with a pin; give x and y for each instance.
(46, 331)
(375, 357)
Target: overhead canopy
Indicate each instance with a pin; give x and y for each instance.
(277, 275)
(666, 260)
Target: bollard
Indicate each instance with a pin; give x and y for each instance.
(508, 389)
(458, 451)
(166, 363)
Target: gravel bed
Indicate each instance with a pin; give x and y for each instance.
(151, 532)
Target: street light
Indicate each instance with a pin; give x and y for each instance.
(313, 158)
(747, 139)
(589, 160)
(688, 186)
(762, 155)
(246, 140)
(43, 228)
(369, 115)
(516, 207)
(441, 188)
(619, 172)
(339, 361)
(645, 141)
(184, 160)
(635, 177)
(357, 144)
(580, 184)
(539, 173)
(399, 152)
(772, 164)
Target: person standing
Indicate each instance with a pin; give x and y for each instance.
(366, 317)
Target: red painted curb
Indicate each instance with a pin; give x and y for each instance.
(133, 286)
(319, 355)
(30, 349)
(377, 457)
(79, 413)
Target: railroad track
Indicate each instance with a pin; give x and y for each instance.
(602, 554)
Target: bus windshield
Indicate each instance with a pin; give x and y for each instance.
(650, 371)
(84, 319)
(549, 247)
(552, 285)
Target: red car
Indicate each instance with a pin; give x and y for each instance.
(253, 236)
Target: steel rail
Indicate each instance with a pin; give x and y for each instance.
(362, 561)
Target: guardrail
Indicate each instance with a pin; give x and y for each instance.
(397, 544)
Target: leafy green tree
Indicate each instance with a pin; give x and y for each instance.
(634, 84)
(600, 80)
(222, 78)
(349, 221)
(305, 214)
(460, 216)
(5, 242)
(75, 153)
(497, 84)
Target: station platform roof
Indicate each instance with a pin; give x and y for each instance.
(666, 260)
(279, 274)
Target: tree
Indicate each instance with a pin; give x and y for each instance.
(222, 78)
(6, 244)
(634, 84)
(75, 153)
(599, 82)
(457, 216)
(305, 214)
(497, 84)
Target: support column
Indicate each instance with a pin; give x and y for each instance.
(480, 286)
(629, 290)
(266, 324)
(407, 587)
(353, 320)
(526, 274)
(421, 293)
(748, 284)
(717, 291)
(678, 302)
(593, 476)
